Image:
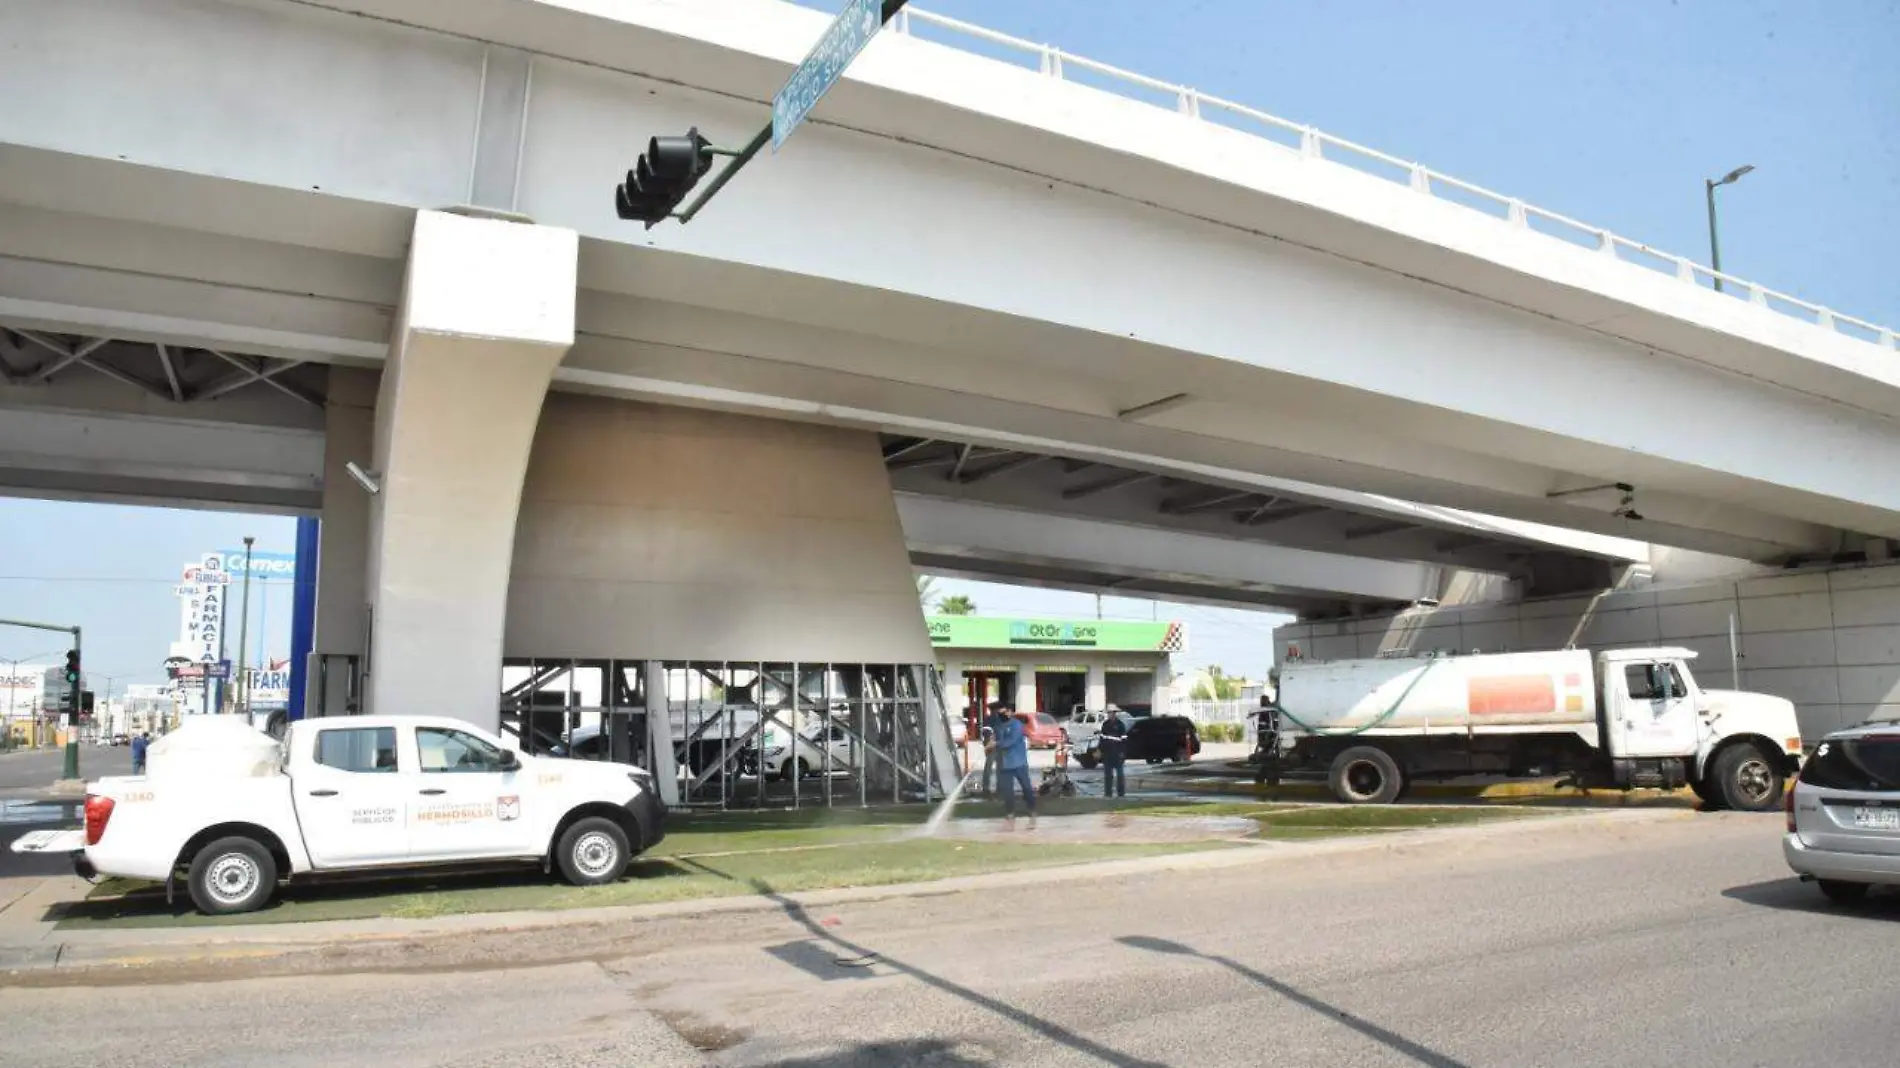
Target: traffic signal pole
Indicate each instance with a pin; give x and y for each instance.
(739, 160)
(672, 165)
(73, 674)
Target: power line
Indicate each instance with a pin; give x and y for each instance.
(87, 578)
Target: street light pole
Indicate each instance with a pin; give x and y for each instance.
(244, 633)
(1715, 246)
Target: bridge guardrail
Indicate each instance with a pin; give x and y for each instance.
(1314, 143)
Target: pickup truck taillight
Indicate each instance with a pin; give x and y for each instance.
(1787, 803)
(98, 811)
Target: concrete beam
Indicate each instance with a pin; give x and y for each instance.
(208, 462)
(977, 531)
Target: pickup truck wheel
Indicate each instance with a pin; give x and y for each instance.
(1088, 760)
(1748, 779)
(593, 851)
(232, 875)
(1365, 775)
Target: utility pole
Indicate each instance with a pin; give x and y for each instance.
(244, 627)
(1709, 186)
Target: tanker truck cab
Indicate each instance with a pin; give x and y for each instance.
(1622, 719)
(1662, 729)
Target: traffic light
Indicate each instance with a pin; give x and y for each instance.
(662, 177)
(72, 666)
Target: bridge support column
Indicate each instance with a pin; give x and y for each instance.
(487, 313)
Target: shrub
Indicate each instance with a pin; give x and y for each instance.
(1222, 732)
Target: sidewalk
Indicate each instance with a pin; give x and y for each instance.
(29, 942)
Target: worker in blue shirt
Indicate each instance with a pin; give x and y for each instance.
(1011, 746)
(139, 744)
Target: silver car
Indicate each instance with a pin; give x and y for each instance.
(1844, 812)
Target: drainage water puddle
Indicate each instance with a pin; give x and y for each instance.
(15, 812)
(1104, 828)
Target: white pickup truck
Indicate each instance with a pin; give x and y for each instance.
(235, 816)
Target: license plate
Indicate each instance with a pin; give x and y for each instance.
(1878, 819)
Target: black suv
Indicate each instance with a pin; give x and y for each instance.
(1155, 739)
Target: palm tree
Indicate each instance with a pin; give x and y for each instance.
(926, 592)
(956, 605)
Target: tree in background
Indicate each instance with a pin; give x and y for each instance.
(956, 605)
(927, 593)
(1218, 686)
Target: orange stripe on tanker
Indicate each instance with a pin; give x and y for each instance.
(1504, 696)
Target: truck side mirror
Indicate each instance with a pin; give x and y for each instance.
(509, 761)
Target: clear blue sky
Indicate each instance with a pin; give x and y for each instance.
(111, 569)
(1612, 112)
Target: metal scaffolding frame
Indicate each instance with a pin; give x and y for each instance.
(712, 731)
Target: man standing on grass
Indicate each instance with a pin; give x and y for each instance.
(1114, 749)
(1011, 746)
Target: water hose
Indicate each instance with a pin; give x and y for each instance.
(1390, 711)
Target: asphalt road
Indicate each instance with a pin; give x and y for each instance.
(35, 769)
(23, 774)
(1648, 940)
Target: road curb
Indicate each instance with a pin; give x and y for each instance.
(1527, 790)
(78, 951)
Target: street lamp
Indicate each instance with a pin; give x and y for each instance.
(1715, 247)
(243, 701)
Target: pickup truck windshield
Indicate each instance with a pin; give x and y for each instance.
(444, 750)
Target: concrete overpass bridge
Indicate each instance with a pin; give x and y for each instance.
(958, 251)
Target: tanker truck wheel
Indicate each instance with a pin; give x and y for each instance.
(1748, 778)
(1366, 775)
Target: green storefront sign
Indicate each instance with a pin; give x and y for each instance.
(982, 632)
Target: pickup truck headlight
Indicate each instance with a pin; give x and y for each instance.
(775, 752)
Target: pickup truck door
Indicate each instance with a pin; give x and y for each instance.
(352, 799)
(1655, 716)
(465, 805)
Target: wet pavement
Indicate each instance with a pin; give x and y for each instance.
(17, 817)
(1102, 828)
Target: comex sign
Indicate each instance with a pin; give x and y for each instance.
(266, 567)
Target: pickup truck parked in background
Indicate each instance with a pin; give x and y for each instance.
(233, 812)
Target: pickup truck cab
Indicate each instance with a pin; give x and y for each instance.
(350, 794)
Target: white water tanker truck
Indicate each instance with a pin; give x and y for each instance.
(1622, 719)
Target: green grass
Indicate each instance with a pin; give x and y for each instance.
(726, 854)
(120, 905)
(1320, 821)
(694, 834)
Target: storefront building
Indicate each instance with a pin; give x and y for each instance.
(1054, 665)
